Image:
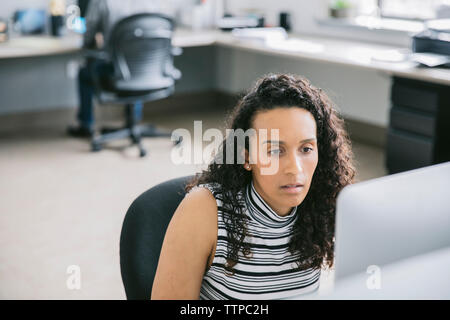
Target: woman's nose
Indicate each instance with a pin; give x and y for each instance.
(294, 165)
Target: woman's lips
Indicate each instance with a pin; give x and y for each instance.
(292, 188)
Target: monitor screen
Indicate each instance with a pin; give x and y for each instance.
(31, 21)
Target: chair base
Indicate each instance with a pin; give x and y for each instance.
(131, 130)
(135, 134)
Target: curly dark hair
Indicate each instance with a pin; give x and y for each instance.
(313, 231)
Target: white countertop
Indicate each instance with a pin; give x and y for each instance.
(31, 46)
(321, 49)
(338, 51)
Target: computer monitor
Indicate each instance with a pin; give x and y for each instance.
(31, 21)
(385, 220)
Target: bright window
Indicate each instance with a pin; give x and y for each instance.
(404, 9)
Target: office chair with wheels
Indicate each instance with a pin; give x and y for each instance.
(141, 52)
(142, 235)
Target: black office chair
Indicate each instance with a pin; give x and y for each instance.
(140, 49)
(143, 233)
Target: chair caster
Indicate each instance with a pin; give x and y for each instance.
(107, 130)
(96, 147)
(142, 153)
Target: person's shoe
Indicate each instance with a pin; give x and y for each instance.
(80, 132)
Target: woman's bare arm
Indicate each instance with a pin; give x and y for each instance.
(188, 244)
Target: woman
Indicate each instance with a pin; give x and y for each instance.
(240, 233)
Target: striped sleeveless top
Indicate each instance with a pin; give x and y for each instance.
(270, 271)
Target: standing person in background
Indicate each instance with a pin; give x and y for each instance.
(101, 16)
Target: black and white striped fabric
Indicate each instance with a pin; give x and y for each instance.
(270, 272)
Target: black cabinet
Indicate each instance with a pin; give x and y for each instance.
(419, 125)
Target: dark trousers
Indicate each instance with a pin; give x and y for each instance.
(104, 70)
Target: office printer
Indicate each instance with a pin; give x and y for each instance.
(435, 39)
(432, 46)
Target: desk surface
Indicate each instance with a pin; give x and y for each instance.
(34, 46)
(320, 49)
(338, 51)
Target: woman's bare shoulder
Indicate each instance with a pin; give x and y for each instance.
(199, 203)
(189, 240)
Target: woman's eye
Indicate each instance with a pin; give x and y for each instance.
(274, 151)
(307, 149)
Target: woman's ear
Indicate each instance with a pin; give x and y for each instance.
(247, 160)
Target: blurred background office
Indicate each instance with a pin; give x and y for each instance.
(383, 63)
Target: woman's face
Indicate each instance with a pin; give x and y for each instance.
(294, 155)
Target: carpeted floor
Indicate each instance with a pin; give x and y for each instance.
(62, 205)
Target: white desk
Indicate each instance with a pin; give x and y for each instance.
(215, 60)
(341, 52)
(320, 49)
(34, 46)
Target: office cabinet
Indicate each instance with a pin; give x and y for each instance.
(409, 120)
(419, 125)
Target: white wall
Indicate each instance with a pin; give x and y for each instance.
(7, 7)
(304, 14)
(360, 94)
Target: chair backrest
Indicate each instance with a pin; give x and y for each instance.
(141, 49)
(142, 235)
